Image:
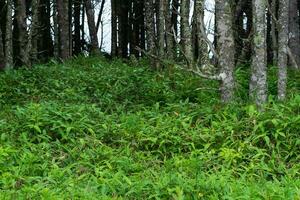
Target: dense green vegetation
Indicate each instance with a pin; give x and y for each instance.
(92, 129)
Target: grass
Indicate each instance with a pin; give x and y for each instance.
(93, 129)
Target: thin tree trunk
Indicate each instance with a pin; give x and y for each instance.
(274, 30)
(45, 44)
(225, 49)
(200, 45)
(34, 35)
(114, 27)
(258, 82)
(8, 37)
(283, 41)
(63, 27)
(150, 28)
(90, 13)
(99, 21)
(174, 21)
(294, 31)
(123, 28)
(185, 31)
(56, 31)
(22, 28)
(83, 43)
(77, 38)
(169, 30)
(161, 28)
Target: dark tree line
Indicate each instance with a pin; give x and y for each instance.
(169, 32)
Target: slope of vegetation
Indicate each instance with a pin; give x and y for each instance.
(92, 129)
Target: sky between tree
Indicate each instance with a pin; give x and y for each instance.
(208, 18)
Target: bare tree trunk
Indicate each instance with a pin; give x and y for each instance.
(83, 43)
(274, 30)
(56, 49)
(150, 28)
(8, 37)
(45, 45)
(114, 27)
(161, 28)
(258, 82)
(77, 38)
(226, 49)
(63, 27)
(294, 31)
(169, 30)
(99, 21)
(185, 31)
(34, 35)
(22, 28)
(201, 51)
(90, 13)
(283, 41)
(174, 21)
(123, 27)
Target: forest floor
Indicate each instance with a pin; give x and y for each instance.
(94, 129)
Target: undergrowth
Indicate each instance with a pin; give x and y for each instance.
(93, 129)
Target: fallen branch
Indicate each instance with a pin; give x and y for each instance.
(196, 72)
(292, 57)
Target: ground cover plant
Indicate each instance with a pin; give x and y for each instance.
(97, 129)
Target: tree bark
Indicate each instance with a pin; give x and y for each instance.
(34, 34)
(8, 37)
(77, 26)
(174, 21)
(185, 31)
(200, 47)
(114, 27)
(258, 82)
(169, 30)
(161, 28)
(274, 31)
(283, 41)
(150, 28)
(45, 44)
(63, 29)
(225, 49)
(294, 31)
(22, 30)
(90, 13)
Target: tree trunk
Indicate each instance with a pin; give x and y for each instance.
(8, 37)
(150, 28)
(22, 30)
(63, 29)
(294, 31)
(225, 49)
(258, 82)
(123, 27)
(274, 31)
(283, 41)
(56, 49)
(34, 34)
(174, 21)
(114, 29)
(77, 27)
(169, 30)
(185, 31)
(45, 44)
(161, 28)
(200, 47)
(90, 13)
